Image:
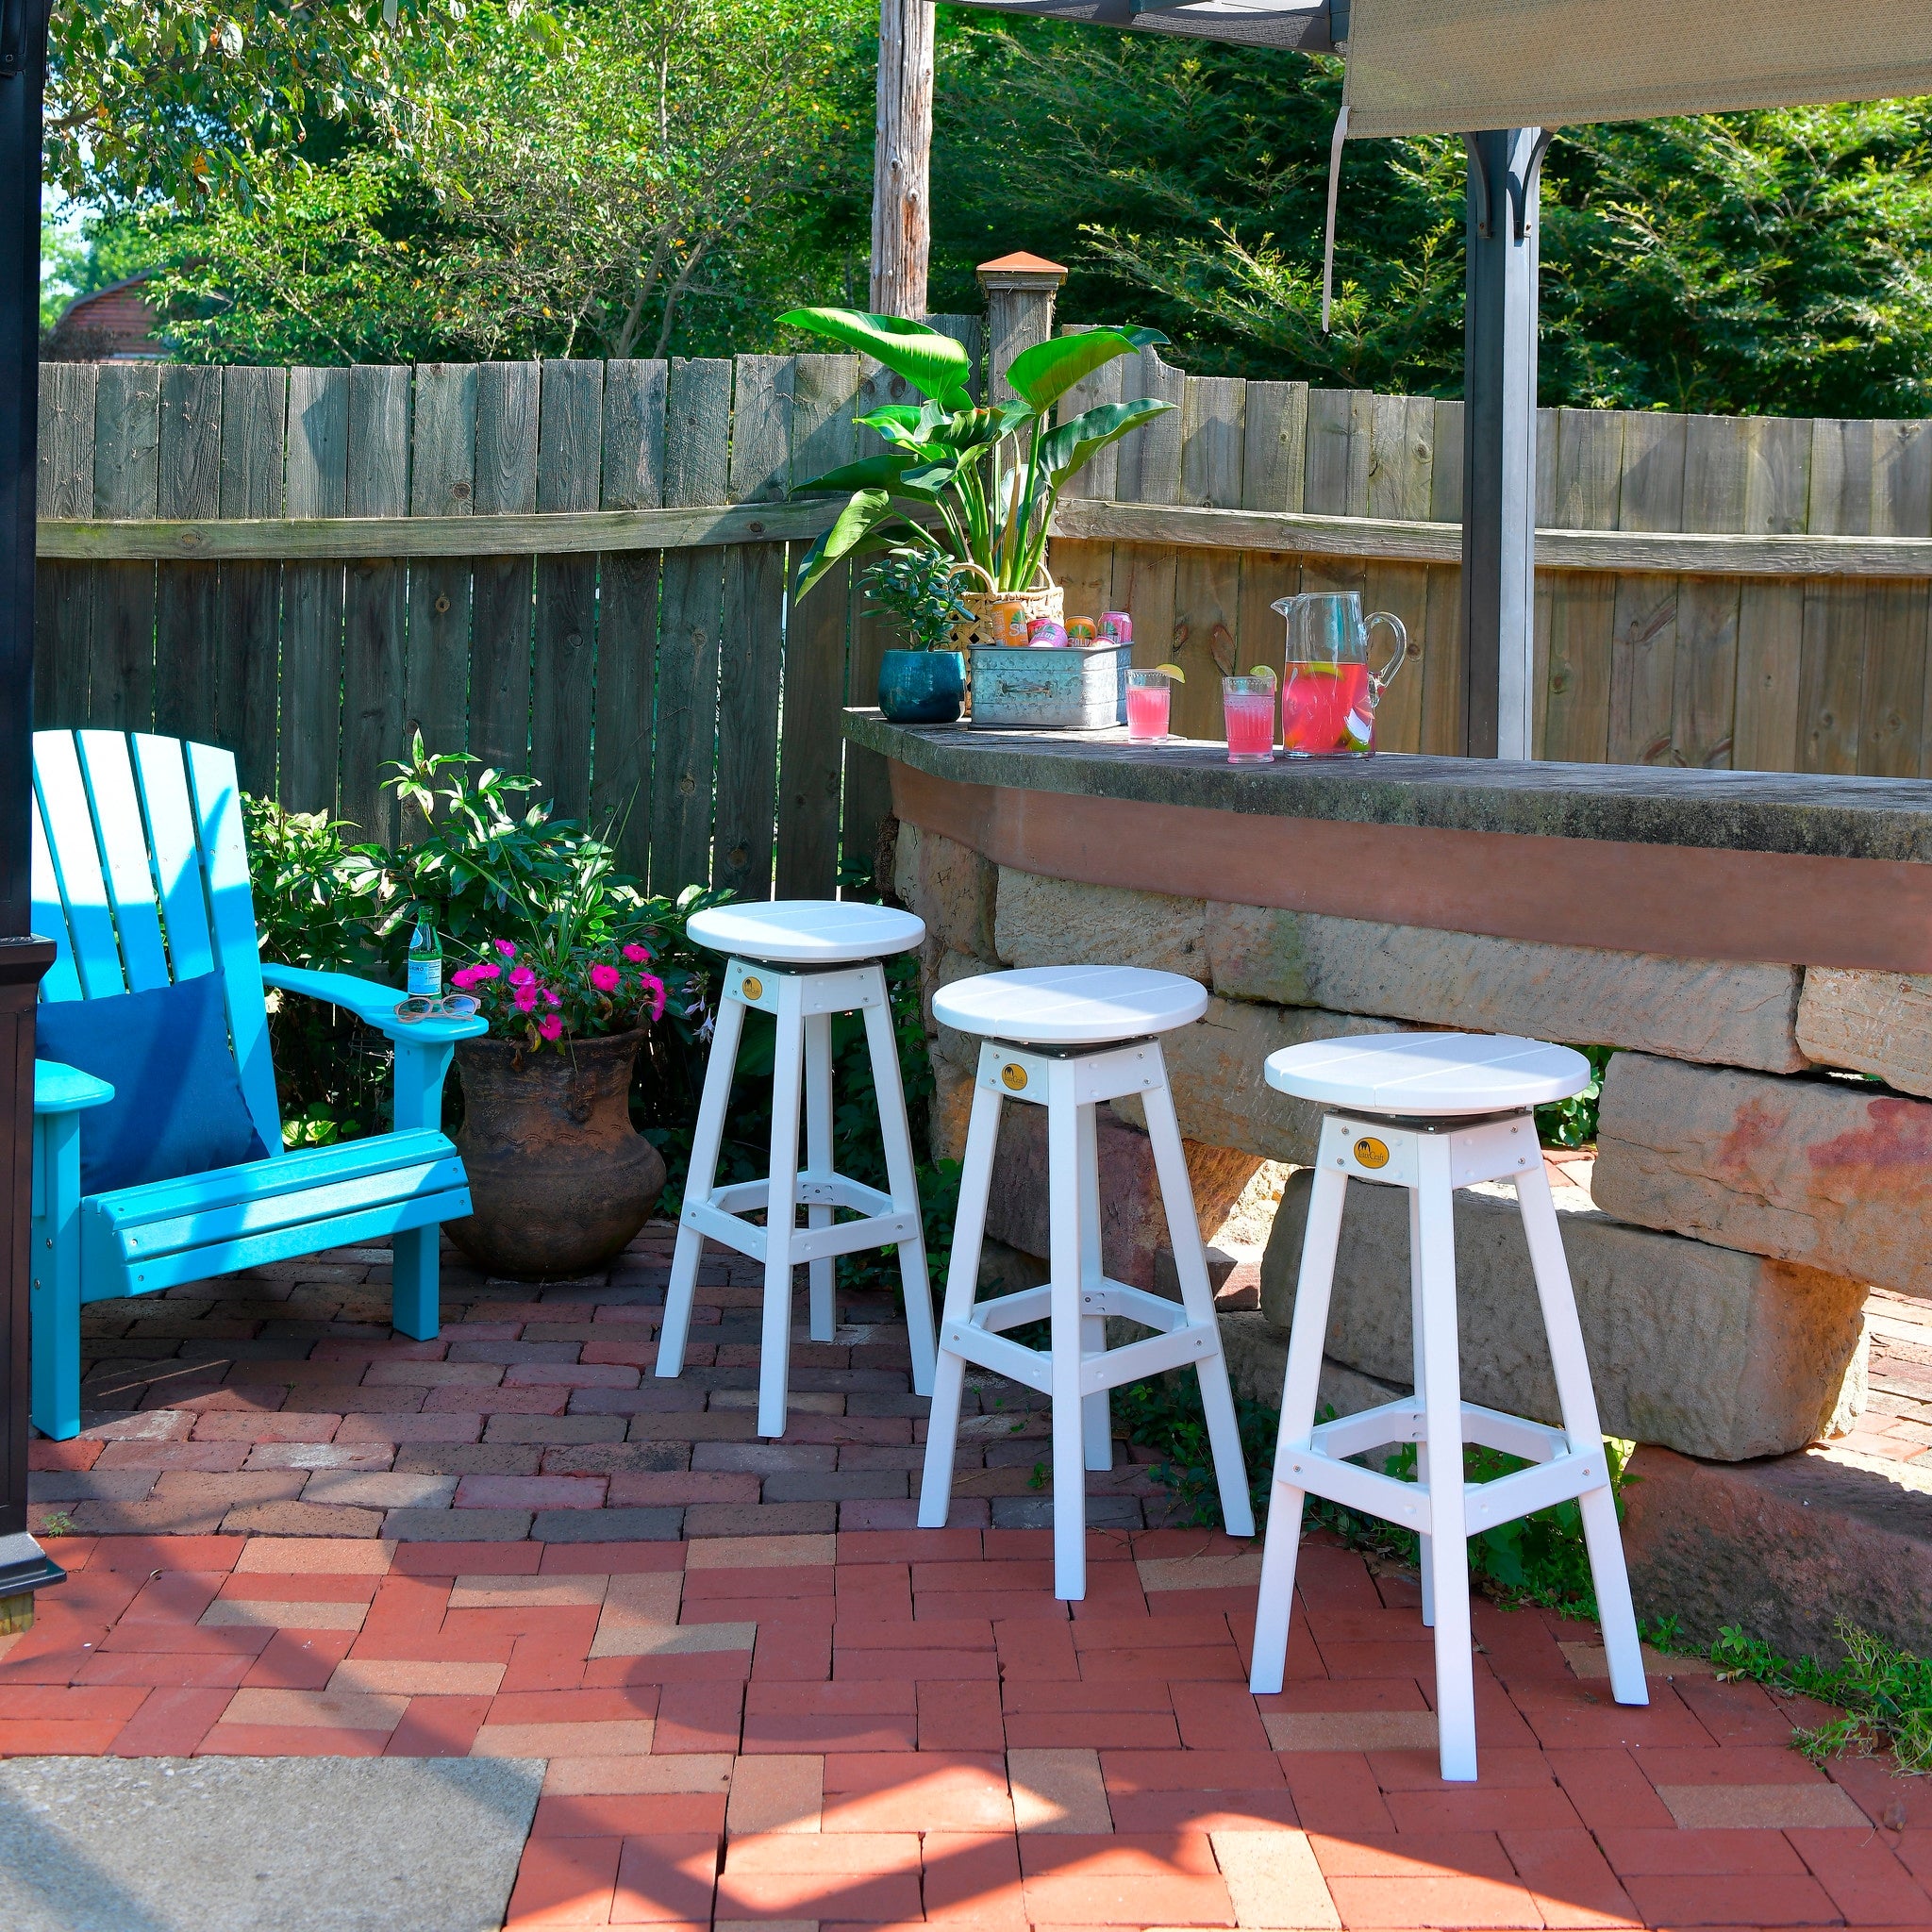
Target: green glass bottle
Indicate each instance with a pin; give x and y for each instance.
(425, 960)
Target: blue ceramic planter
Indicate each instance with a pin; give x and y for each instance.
(921, 687)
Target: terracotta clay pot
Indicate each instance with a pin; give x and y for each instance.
(560, 1178)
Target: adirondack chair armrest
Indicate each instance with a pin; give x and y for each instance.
(59, 1089)
(373, 1004)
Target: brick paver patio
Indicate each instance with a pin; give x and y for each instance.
(764, 1696)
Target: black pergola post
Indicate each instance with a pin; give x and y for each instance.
(1499, 443)
(24, 1567)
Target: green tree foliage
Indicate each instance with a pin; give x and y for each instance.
(1769, 261)
(184, 98)
(617, 177)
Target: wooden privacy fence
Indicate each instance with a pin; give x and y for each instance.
(580, 569)
(1741, 592)
(573, 568)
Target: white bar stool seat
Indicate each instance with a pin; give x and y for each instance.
(801, 960)
(1432, 1112)
(1068, 1038)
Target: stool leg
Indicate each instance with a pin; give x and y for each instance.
(1300, 1388)
(699, 1181)
(817, 1145)
(914, 1277)
(781, 1209)
(963, 1284)
(1442, 1426)
(1624, 1652)
(1096, 1416)
(1421, 1449)
(1197, 1297)
(1063, 1256)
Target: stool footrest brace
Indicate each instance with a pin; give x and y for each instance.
(1179, 1342)
(1558, 1475)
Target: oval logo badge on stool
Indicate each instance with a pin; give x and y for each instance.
(1370, 1152)
(1013, 1077)
(753, 988)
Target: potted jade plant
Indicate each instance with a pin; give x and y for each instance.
(974, 486)
(560, 951)
(919, 589)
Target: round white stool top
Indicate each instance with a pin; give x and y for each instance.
(1070, 1005)
(1429, 1074)
(807, 932)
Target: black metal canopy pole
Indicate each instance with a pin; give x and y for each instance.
(24, 1567)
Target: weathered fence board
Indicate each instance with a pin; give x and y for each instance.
(581, 570)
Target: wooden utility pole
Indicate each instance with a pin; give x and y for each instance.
(902, 159)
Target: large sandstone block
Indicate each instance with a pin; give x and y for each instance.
(1874, 1022)
(950, 887)
(1133, 1225)
(939, 967)
(1834, 1174)
(1690, 1009)
(1046, 921)
(1214, 1069)
(1785, 1548)
(1718, 1353)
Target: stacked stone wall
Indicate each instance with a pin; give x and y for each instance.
(1752, 1179)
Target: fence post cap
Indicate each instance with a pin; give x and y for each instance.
(1021, 271)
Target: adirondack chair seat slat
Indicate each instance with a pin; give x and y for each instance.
(267, 1180)
(286, 1244)
(141, 876)
(140, 1235)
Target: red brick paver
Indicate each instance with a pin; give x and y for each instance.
(765, 1696)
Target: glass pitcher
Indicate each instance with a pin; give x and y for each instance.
(1328, 693)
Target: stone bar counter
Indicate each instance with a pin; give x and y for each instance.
(1757, 947)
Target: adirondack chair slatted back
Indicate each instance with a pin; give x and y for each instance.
(141, 878)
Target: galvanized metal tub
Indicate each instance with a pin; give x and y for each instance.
(1049, 690)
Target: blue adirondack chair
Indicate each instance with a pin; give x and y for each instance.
(141, 878)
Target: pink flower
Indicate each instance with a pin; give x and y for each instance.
(463, 977)
(506, 947)
(550, 1026)
(605, 978)
(467, 976)
(551, 993)
(636, 955)
(523, 975)
(525, 999)
(653, 988)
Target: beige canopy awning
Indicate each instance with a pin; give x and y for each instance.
(1454, 66)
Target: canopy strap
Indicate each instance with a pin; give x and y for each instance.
(1335, 145)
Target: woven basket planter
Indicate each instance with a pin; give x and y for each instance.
(1048, 600)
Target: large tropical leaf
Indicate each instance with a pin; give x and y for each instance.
(1073, 443)
(934, 364)
(975, 428)
(865, 517)
(1048, 370)
(881, 472)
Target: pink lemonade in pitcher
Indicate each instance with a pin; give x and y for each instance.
(1326, 708)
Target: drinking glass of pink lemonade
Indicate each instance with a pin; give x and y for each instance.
(1150, 703)
(1247, 705)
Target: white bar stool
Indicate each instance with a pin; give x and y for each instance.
(1082, 1035)
(801, 960)
(1433, 1112)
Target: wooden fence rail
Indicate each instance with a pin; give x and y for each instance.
(580, 569)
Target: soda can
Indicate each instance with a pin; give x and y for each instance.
(1118, 625)
(1081, 630)
(1008, 618)
(1048, 634)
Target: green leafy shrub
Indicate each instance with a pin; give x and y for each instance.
(1572, 1122)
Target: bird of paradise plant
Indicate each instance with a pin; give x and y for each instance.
(977, 485)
